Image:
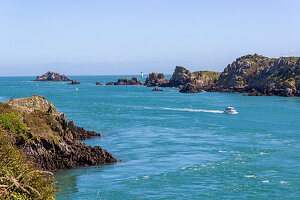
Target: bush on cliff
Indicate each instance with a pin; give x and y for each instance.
(19, 179)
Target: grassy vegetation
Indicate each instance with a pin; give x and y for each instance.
(19, 179)
(212, 75)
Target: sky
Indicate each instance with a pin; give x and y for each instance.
(116, 37)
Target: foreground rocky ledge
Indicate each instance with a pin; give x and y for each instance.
(52, 142)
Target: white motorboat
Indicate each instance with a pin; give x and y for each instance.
(230, 110)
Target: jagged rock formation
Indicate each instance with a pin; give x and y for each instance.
(126, 81)
(52, 76)
(74, 82)
(258, 75)
(99, 83)
(156, 80)
(192, 82)
(50, 140)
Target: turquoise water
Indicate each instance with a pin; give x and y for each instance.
(173, 145)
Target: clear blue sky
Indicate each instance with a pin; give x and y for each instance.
(85, 37)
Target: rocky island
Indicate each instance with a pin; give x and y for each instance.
(52, 76)
(126, 81)
(258, 75)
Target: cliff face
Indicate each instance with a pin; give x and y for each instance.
(259, 75)
(52, 76)
(49, 140)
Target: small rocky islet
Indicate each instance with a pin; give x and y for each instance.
(53, 76)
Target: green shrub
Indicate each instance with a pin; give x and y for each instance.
(12, 123)
(19, 179)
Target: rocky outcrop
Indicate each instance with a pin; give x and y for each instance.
(51, 141)
(126, 81)
(258, 75)
(52, 76)
(192, 82)
(73, 82)
(99, 83)
(156, 80)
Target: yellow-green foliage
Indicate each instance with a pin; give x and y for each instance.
(18, 178)
(211, 75)
(12, 123)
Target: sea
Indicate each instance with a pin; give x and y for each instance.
(172, 145)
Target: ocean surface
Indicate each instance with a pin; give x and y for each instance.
(175, 146)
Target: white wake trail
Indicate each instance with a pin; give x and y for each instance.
(192, 110)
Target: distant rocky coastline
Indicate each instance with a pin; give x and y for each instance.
(52, 142)
(254, 75)
(126, 81)
(52, 76)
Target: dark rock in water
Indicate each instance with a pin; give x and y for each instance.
(133, 81)
(57, 143)
(99, 83)
(156, 80)
(74, 82)
(52, 76)
(157, 89)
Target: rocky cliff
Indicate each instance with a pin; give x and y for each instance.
(260, 75)
(52, 76)
(126, 81)
(48, 139)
